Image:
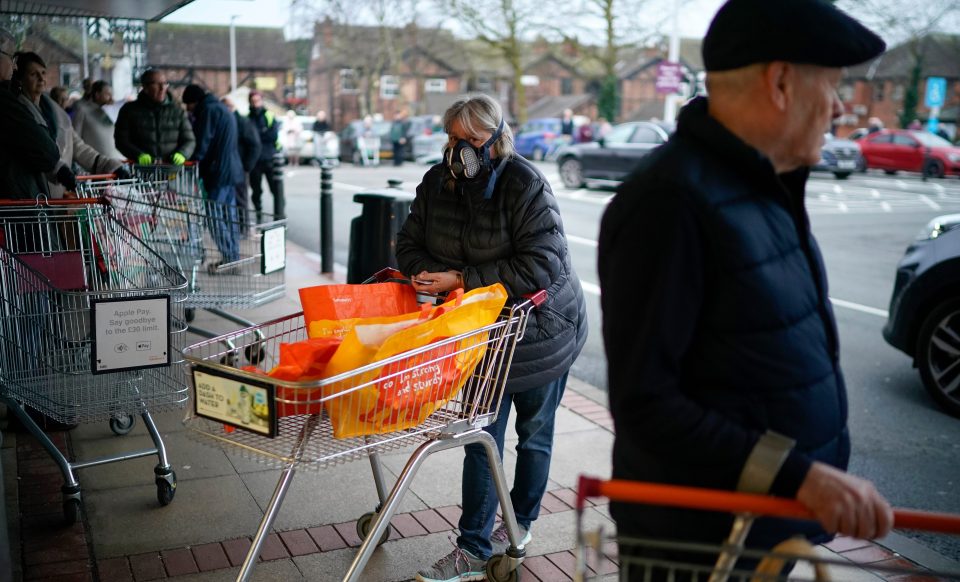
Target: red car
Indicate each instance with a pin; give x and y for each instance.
(893, 150)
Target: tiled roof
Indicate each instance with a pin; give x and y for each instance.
(941, 58)
(202, 46)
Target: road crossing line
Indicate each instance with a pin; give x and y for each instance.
(885, 206)
(929, 202)
(581, 240)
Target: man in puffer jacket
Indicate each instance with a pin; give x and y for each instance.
(154, 128)
(32, 152)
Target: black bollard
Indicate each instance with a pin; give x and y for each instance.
(326, 217)
(279, 210)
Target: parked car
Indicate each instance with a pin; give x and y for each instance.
(425, 139)
(538, 138)
(840, 156)
(924, 319)
(894, 150)
(607, 161)
(330, 144)
(348, 140)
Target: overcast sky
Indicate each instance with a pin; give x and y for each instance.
(696, 14)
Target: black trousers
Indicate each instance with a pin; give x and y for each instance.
(264, 169)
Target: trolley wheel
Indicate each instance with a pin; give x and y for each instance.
(166, 489)
(190, 314)
(122, 424)
(71, 511)
(229, 359)
(365, 524)
(255, 353)
(493, 565)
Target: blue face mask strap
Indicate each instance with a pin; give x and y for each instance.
(488, 193)
(485, 148)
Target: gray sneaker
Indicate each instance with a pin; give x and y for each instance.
(500, 541)
(457, 566)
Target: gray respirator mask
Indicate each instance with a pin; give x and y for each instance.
(467, 163)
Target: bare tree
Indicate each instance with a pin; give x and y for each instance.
(913, 26)
(504, 25)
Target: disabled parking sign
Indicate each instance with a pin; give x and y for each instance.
(936, 92)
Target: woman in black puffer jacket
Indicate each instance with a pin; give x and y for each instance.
(485, 215)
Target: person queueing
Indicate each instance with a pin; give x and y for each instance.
(268, 128)
(220, 170)
(31, 73)
(92, 122)
(26, 159)
(722, 346)
(248, 144)
(154, 128)
(475, 224)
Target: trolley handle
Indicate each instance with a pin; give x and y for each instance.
(186, 164)
(96, 177)
(730, 502)
(34, 202)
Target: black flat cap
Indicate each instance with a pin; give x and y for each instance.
(193, 94)
(814, 32)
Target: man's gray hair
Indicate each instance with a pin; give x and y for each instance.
(478, 113)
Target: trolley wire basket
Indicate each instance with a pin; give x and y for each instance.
(92, 328)
(228, 263)
(305, 436)
(633, 559)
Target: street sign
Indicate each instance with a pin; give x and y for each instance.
(936, 92)
(669, 77)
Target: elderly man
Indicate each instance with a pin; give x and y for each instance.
(721, 341)
(27, 150)
(154, 128)
(220, 168)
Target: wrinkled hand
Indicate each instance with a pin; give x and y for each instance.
(122, 173)
(844, 503)
(425, 282)
(144, 159)
(67, 179)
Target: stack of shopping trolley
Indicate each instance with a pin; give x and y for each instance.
(92, 328)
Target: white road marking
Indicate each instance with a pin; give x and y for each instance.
(929, 202)
(941, 191)
(583, 241)
(859, 307)
(843, 207)
(837, 189)
(900, 184)
(885, 206)
(351, 187)
(874, 192)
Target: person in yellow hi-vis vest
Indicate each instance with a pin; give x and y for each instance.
(267, 126)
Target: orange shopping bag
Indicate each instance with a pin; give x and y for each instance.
(404, 393)
(335, 309)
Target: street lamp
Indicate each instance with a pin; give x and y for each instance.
(233, 54)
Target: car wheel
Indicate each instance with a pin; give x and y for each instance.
(890, 172)
(933, 169)
(571, 173)
(537, 154)
(841, 175)
(356, 158)
(938, 355)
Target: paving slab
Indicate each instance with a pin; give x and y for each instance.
(585, 452)
(393, 562)
(335, 495)
(189, 458)
(129, 520)
(276, 571)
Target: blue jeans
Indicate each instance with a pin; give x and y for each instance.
(536, 412)
(222, 221)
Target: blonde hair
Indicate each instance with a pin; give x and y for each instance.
(478, 113)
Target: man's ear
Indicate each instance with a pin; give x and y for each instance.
(778, 78)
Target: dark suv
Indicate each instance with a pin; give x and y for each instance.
(924, 320)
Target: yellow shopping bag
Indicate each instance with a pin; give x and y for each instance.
(403, 394)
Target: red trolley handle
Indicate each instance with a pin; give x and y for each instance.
(728, 501)
(92, 177)
(32, 202)
(391, 274)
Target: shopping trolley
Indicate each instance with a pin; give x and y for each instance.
(167, 208)
(651, 560)
(368, 150)
(305, 438)
(92, 326)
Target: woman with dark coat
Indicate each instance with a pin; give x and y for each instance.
(482, 216)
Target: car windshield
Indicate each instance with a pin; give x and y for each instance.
(930, 140)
